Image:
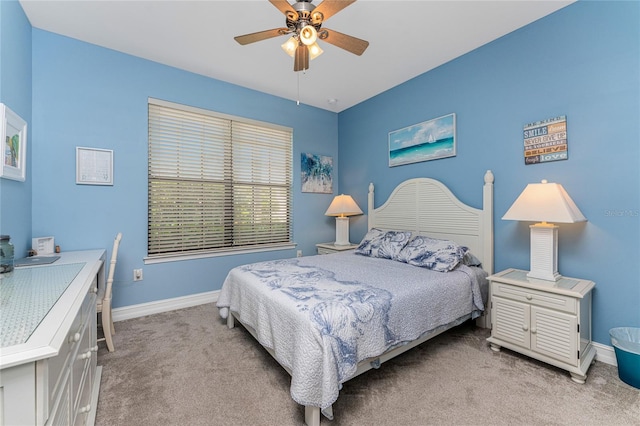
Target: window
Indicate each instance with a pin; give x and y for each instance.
(216, 183)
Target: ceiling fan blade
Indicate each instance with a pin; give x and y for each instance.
(261, 35)
(349, 43)
(285, 7)
(327, 9)
(301, 60)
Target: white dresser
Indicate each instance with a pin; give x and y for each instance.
(546, 320)
(48, 351)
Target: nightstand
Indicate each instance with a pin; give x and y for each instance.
(546, 320)
(328, 248)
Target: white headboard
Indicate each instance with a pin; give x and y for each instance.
(427, 207)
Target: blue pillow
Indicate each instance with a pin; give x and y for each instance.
(391, 244)
(469, 259)
(431, 253)
(373, 238)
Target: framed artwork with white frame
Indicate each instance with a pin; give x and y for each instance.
(94, 166)
(13, 136)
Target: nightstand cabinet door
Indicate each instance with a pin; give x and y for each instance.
(554, 334)
(546, 320)
(511, 321)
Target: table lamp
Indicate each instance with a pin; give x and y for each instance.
(544, 202)
(342, 207)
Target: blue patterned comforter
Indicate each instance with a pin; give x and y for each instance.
(322, 315)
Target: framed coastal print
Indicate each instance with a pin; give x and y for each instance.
(317, 173)
(430, 140)
(13, 134)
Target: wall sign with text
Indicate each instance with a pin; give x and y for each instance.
(546, 141)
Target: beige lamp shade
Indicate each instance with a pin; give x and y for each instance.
(544, 202)
(343, 206)
(308, 35)
(290, 46)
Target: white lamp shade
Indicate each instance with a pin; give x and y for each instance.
(343, 205)
(544, 202)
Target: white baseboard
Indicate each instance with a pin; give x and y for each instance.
(150, 308)
(604, 353)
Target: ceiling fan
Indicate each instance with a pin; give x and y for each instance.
(304, 24)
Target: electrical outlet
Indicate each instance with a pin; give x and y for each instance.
(299, 253)
(137, 274)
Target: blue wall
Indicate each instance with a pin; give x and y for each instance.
(15, 92)
(582, 62)
(84, 95)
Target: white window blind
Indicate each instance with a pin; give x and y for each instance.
(216, 183)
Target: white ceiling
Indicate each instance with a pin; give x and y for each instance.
(407, 38)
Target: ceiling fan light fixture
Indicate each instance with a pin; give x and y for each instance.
(303, 26)
(308, 35)
(290, 46)
(317, 17)
(314, 51)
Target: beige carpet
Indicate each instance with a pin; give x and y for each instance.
(186, 368)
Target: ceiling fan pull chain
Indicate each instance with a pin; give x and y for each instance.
(298, 98)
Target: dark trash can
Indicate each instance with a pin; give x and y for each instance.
(626, 343)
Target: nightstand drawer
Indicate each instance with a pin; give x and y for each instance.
(325, 251)
(535, 297)
(328, 248)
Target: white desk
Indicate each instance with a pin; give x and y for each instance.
(48, 357)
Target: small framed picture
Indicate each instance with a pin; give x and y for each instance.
(13, 136)
(94, 166)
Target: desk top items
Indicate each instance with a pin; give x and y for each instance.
(6, 254)
(43, 246)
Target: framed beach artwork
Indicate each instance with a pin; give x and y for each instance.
(429, 140)
(13, 136)
(317, 173)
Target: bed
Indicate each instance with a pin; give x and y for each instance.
(329, 318)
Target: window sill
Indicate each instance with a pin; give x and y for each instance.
(150, 260)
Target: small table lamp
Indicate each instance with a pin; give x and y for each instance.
(342, 207)
(544, 202)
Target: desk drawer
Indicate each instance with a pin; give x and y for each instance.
(535, 297)
(57, 366)
(60, 411)
(89, 300)
(83, 406)
(79, 364)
